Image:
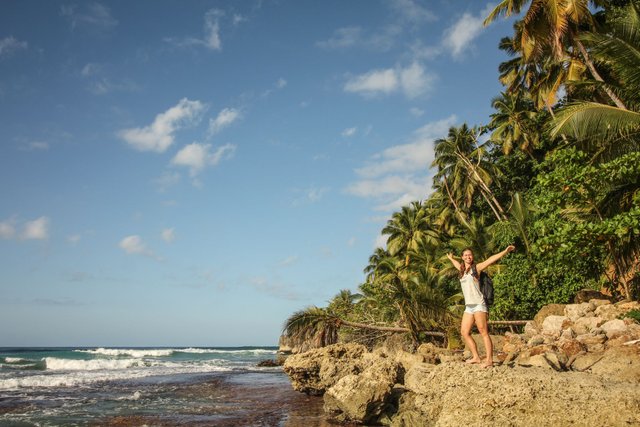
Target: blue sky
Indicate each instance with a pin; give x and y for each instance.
(191, 173)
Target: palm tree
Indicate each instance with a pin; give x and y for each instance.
(374, 260)
(406, 229)
(463, 168)
(520, 220)
(549, 27)
(511, 124)
(620, 53)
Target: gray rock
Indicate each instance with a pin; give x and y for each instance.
(361, 398)
(318, 369)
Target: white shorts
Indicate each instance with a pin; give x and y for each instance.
(475, 308)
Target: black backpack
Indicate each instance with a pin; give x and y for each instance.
(486, 285)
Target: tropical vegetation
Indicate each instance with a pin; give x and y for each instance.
(556, 170)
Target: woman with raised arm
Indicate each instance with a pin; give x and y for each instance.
(476, 310)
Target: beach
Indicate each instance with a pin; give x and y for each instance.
(150, 386)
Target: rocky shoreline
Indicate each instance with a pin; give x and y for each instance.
(576, 364)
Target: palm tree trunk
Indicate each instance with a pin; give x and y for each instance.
(501, 216)
(385, 328)
(596, 75)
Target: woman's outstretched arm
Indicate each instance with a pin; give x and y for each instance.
(455, 262)
(494, 258)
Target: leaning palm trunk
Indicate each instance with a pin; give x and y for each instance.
(592, 69)
(485, 190)
(397, 329)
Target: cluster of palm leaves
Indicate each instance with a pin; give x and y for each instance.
(572, 92)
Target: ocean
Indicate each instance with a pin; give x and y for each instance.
(149, 387)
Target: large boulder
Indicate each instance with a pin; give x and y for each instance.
(575, 311)
(548, 310)
(553, 325)
(461, 395)
(362, 398)
(587, 295)
(316, 370)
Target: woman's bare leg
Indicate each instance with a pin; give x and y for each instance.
(481, 323)
(465, 331)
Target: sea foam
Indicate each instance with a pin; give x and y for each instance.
(55, 364)
(137, 353)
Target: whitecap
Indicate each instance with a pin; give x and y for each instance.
(56, 364)
(222, 351)
(137, 353)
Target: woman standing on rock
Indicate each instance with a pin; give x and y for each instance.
(476, 310)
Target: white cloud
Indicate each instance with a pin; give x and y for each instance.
(211, 38)
(166, 181)
(413, 81)
(90, 69)
(400, 174)
(38, 229)
(276, 290)
(392, 185)
(74, 239)
(417, 112)
(459, 37)
(437, 129)
(278, 85)
(34, 146)
(197, 156)
(349, 132)
(225, 118)
(310, 195)
(373, 82)
(168, 235)
(133, 245)
(407, 158)
(352, 242)
(381, 241)
(342, 38)
(212, 29)
(10, 44)
(412, 11)
(159, 135)
(7, 229)
(91, 15)
(290, 260)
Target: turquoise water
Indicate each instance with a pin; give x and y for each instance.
(148, 386)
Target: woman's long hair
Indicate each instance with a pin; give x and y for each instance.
(462, 264)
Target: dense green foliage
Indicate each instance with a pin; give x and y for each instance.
(560, 179)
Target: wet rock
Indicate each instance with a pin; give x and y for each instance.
(267, 363)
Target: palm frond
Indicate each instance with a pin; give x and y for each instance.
(587, 120)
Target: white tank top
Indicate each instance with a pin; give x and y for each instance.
(471, 290)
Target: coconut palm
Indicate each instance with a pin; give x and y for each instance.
(406, 229)
(550, 27)
(463, 168)
(512, 123)
(619, 51)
